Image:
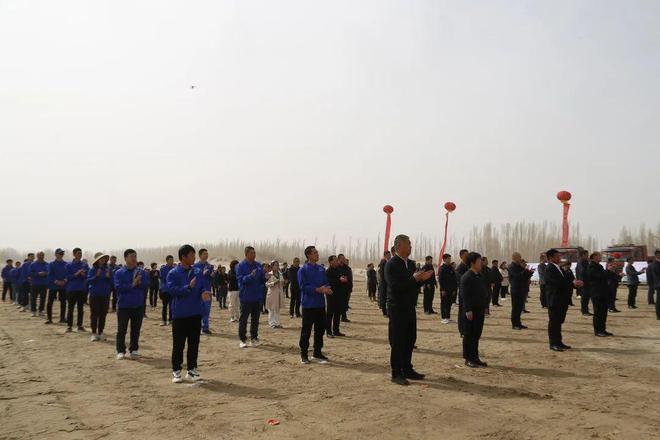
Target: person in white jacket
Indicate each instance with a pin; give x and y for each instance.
(275, 295)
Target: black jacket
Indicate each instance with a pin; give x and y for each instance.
(475, 297)
(402, 288)
(495, 276)
(597, 278)
(372, 278)
(293, 278)
(233, 282)
(447, 278)
(431, 282)
(461, 269)
(557, 286)
(655, 274)
(633, 275)
(487, 278)
(382, 284)
(348, 273)
(519, 278)
(333, 274)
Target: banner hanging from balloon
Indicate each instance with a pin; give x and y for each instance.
(388, 209)
(564, 197)
(449, 207)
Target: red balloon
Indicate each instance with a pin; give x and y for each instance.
(616, 255)
(564, 196)
(388, 209)
(450, 206)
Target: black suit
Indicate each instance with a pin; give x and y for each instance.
(475, 298)
(581, 274)
(448, 286)
(335, 302)
(460, 271)
(656, 285)
(558, 297)
(429, 289)
(600, 294)
(382, 287)
(519, 282)
(294, 287)
(402, 291)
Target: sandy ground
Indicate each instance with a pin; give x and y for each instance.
(56, 385)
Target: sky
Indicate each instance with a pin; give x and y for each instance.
(145, 123)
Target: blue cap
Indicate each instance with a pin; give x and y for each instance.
(59, 251)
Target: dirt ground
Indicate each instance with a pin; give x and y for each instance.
(56, 385)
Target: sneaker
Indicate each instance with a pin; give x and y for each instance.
(162, 323)
(120, 356)
(176, 377)
(94, 338)
(34, 314)
(304, 360)
(135, 354)
(21, 309)
(255, 342)
(193, 375)
(81, 329)
(232, 320)
(243, 344)
(69, 329)
(320, 358)
(41, 313)
(101, 337)
(445, 321)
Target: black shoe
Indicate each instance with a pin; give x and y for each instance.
(608, 333)
(413, 375)
(526, 311)
(556, 348)
(632, 307)
(48, 322)
(471, 364)
(81, 329)
(320, 358)
(564, 346)
(304, 360)
(206, 332)
(601, 335)
(414, 347)
(339, 334)
(345, 320)
(588, 314)
(400, 380)
(481, 363)
(69, 329)
(330, 335)
(298, 315)
(433, 312)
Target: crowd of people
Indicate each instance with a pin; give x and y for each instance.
(318, 294)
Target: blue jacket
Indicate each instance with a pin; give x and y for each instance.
(5, 274)
(202, 267)
(164, 270)
(56, 272)
(24, 273)
(99, 285)
(186, 302)
(35, 268)
(128, 296)
(251, 287)
(76, 283)
(310, 277)
(15, 275)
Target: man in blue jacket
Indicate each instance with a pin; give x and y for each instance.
(208, 272)
(39, 284)
(251, 283)
(189, 288)
(6, 281)
(114, 267)
(76, 289)
(164, 291)
(129, 283)
(56, 286)
(14, 277)
(314, 287)
(24, 282)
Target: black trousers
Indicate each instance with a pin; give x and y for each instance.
(556, 317)
(543, 297)
(6, 287)
(382, 299)
(651, 295)
(371, 291)
(124, 316)
(584, 300)
(461, 317)
(166, 299)
(503, 291)
(657, 304)
(40, 293)
(447, 299)
(24, 294)
(250, 309)
(402, 336)
(600, 312)
(473, 330)
(517, 307)
(632, 295)
(294, 303)
(612, 299)
(98, 310)
(495, 294)
(334, 310)
(114, 299)
(316, 318)
(54, 294)
(75, 299)
(429, 294)
(185, 329)
(153, 295)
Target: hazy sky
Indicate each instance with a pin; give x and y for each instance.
(308, 116)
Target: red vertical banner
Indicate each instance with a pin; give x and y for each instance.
(450, 207)
(564, 226)
(388, 209)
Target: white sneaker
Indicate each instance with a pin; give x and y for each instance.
(445, 321)
(135, 355)
(120, 356)
(243, 345)
(232, 320)
(176, 377)
(255, 343)
(21, 309)
(34, 314)
(162, 323)
(193, 375)
(101, 337)
(94, 338)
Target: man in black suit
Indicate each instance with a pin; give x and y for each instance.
(448, 286)
(429, 287)
(599, 291)
(656, 282)
(558, 296)
(581, 274)
(519, 277)
(543, 264)
(460, 271)
(382, 285)
(475, 299)
(334, 305)
(402, 286)
(650, 281)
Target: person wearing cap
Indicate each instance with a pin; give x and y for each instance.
(558, 291)
(6, 281)
(275, 295)
(99, 280)
(208, 272)
(56, 286)
(190, 289)
(39, 284)
(76, 291)
(129, 282)
(165, 297)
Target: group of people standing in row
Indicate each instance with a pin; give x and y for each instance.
(318, 295)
